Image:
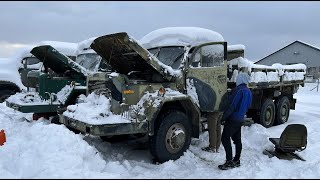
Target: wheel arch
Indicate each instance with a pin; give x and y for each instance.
(184, 105)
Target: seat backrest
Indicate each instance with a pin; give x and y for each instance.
(294, 136)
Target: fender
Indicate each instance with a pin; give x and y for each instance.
(154, 105)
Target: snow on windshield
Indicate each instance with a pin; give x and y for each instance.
(167, 69)
(289, 72)
(90, 61)
(180, 36)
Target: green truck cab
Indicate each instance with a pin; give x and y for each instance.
(58, 84)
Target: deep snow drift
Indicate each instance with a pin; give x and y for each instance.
(41, 150)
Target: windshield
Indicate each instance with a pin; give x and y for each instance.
(89, 61)
(32, 60)
(171, 56)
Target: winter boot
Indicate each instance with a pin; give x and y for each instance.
(227, 165)
(236, 163)
(209, 149)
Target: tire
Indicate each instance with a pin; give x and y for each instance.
(267, 113)
(4, 94)
(172, 138)
(55, 120)
(282, 110)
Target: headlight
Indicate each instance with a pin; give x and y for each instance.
(81, 99)
(161, 92)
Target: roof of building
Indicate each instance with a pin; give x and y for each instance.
(298, 41)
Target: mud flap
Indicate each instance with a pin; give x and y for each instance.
(282, 155)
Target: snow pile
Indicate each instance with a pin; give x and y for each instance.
(273, 74)
(33, 98)
(25, 98)
(42, 150)
(180, 36)
(236, 47)
(94, 109)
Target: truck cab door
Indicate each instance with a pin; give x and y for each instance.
(207, 75)
(28, 64)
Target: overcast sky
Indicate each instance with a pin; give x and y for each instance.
(263, 27)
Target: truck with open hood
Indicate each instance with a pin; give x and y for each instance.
(14, 70)
(60, 82)
(164, 84)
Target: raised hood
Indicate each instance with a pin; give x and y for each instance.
(56, 61)
(126, 55)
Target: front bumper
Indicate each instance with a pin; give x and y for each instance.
(32, 108)
(105, 129)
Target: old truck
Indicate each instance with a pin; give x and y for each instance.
(14, 70)
(60, 82)
(165, 83)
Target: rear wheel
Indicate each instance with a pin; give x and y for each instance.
(172, 138)
(267, 113)
(282, 110)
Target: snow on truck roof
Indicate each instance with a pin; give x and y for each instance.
(236, 47)
(84, 46)
(180, 36)
(68, 49)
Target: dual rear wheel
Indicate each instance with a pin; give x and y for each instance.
(273, 112)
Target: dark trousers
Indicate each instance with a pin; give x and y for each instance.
(232, 130)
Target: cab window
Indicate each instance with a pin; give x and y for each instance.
(208, 56)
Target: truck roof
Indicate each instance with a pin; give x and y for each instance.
(69, 49)
(236, 47)
(84, 46)
(179, 36)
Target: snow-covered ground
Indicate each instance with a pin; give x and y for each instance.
(41, 150)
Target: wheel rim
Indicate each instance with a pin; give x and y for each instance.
(284, 113)
(268, 115)
(175, 138)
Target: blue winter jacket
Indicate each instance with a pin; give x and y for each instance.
(240, 101)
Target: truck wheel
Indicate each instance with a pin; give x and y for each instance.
(4, 94)
(172, 138)
(282, 110)
(267, 113)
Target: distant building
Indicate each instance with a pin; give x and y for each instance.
(296, 52)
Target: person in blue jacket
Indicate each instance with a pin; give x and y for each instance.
(233, 118)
